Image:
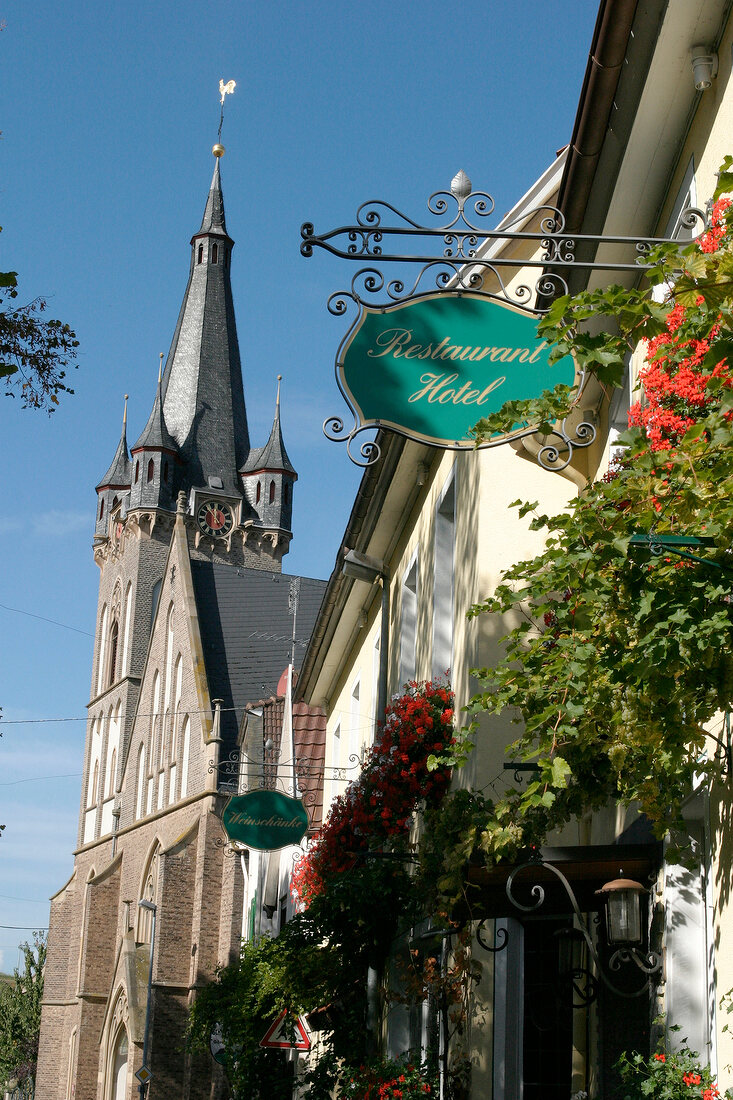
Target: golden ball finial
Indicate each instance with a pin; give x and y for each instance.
(218, 150)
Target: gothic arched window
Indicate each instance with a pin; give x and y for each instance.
(185, 752)
(137, 469)
(149, 892)
(101, 507)
(114, 635)
(102, 649)
(201, 254)
(259, 492)
(126, 631)
(94, 785)
(272, 491)
(140, 798)
(151, 470)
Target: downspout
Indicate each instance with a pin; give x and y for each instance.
(605, 62)
(212, 780)
(245, 899)
(373, 1013)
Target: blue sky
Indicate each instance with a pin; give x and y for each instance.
(110, 114)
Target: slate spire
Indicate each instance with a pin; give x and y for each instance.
(155, 460)
(155, 434)
(202, 391)
(268, 477)
(115, 484)
(119, 473)
(273, 455)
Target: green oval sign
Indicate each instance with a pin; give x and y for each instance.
(432, 366)
(266, 820)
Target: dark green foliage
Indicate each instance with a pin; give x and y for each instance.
(35, 352)
(617, 662)
(20, 1014)
(318, 962)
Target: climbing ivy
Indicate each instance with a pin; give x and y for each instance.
(619, 661)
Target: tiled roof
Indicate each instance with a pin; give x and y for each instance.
(203, 395)
(309, 734)
(119, 475)
(273, 455)
(155, 434)
(246, 631)
(213, 219)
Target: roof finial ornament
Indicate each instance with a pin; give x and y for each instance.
(224, 90)
(124, 414)
(160, 368)
(277, 399)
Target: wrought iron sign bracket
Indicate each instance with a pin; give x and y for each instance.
(458, 254)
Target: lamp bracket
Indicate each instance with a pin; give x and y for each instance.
(649, 963)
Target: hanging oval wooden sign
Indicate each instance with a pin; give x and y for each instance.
(433, 366)
(266, 820)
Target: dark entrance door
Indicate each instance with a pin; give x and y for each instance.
(548, 1015)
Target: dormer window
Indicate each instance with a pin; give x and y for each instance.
(201, 254)
(215, 253)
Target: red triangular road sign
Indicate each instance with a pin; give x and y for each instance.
(277, 1034)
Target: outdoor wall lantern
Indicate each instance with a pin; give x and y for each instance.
(624, 932)
(572, 966)
(622, 897)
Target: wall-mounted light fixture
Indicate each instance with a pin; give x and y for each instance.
(624, 932)
(704, 67)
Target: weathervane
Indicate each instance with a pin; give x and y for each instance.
(224, 90)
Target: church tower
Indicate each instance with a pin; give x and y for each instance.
(268, 476)
(193, 624)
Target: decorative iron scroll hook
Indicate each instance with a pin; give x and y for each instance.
(648, 962)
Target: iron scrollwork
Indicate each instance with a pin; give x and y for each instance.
(647, 961)
(464, 234)
(501, 936)
(458, 251)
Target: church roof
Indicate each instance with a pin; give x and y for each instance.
(202, 390)
(273, 455)
(155, 434)
(246, 632)
(213, 219)
(119, 475)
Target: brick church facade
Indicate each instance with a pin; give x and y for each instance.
(194, 622)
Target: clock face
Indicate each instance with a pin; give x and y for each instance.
(215, 518)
